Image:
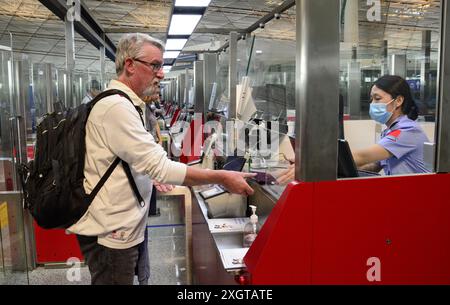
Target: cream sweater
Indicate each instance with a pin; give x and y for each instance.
(114, 129)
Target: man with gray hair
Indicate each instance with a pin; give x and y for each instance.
(111, 231)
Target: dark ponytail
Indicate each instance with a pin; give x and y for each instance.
(397, 86)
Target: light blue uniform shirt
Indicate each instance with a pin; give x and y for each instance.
(404, 140)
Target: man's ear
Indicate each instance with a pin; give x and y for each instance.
(129, 66)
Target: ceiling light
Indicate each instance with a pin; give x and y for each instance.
(5, 48)
(175, 44)
(171, 54)
(199, 3)
(183, 24)
(258, 51)
(166, 68)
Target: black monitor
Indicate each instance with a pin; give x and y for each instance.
(341, 117)
(346, 164)
(234, 163)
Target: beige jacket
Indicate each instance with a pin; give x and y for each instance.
(114, 128)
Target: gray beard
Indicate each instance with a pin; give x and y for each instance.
(148, 92)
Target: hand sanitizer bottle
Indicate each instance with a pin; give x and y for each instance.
(251, 228)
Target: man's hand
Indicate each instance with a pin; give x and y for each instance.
(163, 188)
(235, 182)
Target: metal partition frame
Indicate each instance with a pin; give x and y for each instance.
(317, 89)
(70, 62)
(18, 120)
(443, 124)
(232, 75)
(199, 101)
(181, 86)
(209, 76)
(187, 84)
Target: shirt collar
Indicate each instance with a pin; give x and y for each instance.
(400, 122)
(115, 84)
(397, 120)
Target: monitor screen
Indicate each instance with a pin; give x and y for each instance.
(234, 163)
(346, 164)
(341, 116)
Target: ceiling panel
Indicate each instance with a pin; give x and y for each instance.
(235, 14)
(151, 17)
(38, 32)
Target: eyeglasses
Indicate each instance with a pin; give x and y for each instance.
(154, 67)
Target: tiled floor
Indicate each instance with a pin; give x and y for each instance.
(166, 247)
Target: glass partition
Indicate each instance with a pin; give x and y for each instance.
(62, 86)
(81, 85)
(108, 78)
(390, 38)
(269, 100)
(265, 100)
(45, 91)
(271, 78)
(222, 99)
(189, 98)
(13, 254)
(243, 52)
(6, 107)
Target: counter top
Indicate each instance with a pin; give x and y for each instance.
(227, 233)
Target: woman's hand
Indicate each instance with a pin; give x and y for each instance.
(287, 175)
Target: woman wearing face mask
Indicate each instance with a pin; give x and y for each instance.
(400, 149)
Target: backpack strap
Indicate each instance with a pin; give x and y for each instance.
(108, 173)
(103, 179)
(113, 165)
(127, 170)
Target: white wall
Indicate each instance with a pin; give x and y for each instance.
(363, 133)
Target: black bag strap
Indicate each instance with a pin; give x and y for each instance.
(125, 165)
(103, 179)
(109, 92)
(127, 170)
(108, 173)
(141, 113)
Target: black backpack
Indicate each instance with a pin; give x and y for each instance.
(53, 182)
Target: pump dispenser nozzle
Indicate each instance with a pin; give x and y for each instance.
(253, 217)
(251, 229)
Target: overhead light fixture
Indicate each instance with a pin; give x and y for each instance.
(258, 51)
(5, 48)
(197, 3)
(175, 44)
(183, 24)
(167, 68)
(171, 54)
